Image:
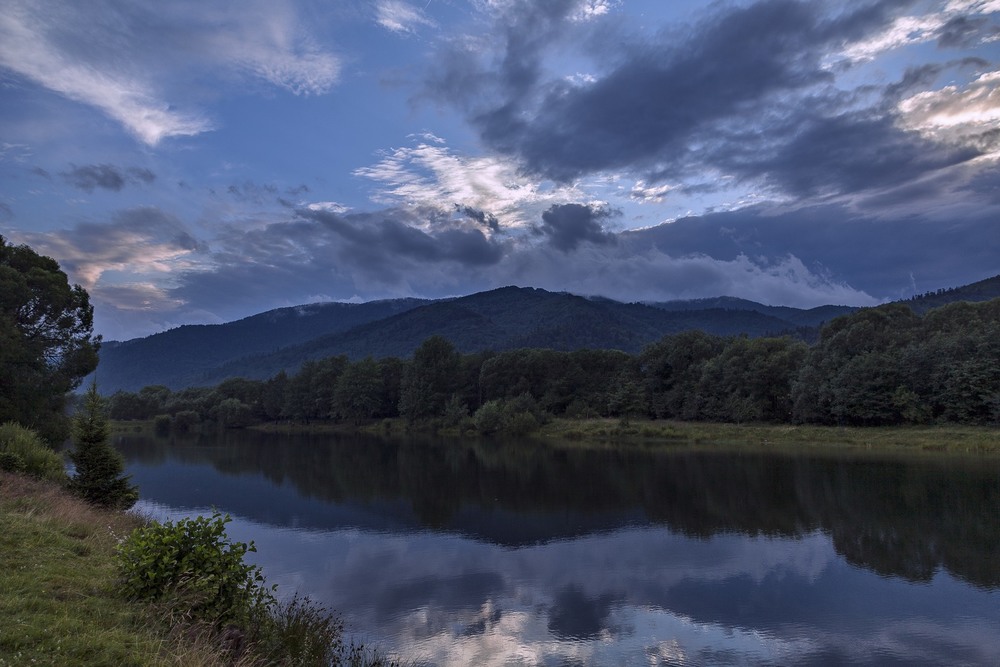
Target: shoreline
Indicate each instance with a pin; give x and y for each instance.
(946, 438)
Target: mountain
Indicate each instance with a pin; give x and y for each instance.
(984, 290)
(813, 317)
(179, 357)
(504, 319)
(500, 319)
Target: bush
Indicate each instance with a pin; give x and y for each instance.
(489, 418)
(194, 562)
(22, 450)
(11, 462)
(161, 425)
(186, 421)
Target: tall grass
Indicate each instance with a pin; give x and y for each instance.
(61, 603)
(22, 450)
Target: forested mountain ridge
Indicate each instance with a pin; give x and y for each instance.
(178, 357)
(984, 290)
(502, 319)
(812, 317)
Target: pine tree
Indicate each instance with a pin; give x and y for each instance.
(98, 478)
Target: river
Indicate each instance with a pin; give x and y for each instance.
(515, 553)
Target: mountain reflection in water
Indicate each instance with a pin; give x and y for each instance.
(514, 553)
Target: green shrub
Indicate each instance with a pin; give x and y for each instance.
(24, 451)
(161, 425)
(11, 462)
(489, 418)
(193, 562)
(186, 421)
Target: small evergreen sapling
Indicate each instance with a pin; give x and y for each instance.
(98, 478)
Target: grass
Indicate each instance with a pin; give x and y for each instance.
(60, 603)
(57, 586)
(607, 432)
(949, 438)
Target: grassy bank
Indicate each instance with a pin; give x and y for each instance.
(57, 587)
(614, 432)
(61, 601)
(950, 438)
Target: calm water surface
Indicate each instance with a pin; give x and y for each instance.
(511, 554)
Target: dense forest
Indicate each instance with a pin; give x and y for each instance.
(878, 366)
(506, 318)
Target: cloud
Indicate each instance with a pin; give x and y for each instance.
(138, 62)
(141, 241)
(762, 95)
(650, 104)
(400, 17)
(484, 218)
(962, 31)
(569, 225)
(835, 246)
(105, 176)
(433, 177)
(649, 194)
(956, 115)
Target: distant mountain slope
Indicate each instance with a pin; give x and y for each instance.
(503, 319)
(984, 290)
(812, 317)
(179, 357)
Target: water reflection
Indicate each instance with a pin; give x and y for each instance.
(512, 554)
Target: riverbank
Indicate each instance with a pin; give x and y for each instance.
(62, 604)
(952, 438)
(57, 587)
(651, 433)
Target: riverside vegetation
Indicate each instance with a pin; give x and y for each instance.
(879, 367)
(72, 557)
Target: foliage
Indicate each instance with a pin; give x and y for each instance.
(517, 416)
(46, 341)
(878, 366)
(194, 561)
(430, 379)
(58, 599)
(98, 477)
(22, 450)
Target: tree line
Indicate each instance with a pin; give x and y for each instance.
(879, 366)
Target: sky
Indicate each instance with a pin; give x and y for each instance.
(199, 161)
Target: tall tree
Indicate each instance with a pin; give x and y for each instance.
(430, 379)
(47, 344)
(99, 477)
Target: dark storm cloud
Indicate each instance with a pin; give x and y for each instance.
(484, 218)
(106, 177)
(326, 255)
(6, 212)
(569, 225)
(962, 31)
(38, 171)
(883, 257)
(840, 154)
(391, 234)
(660, 98)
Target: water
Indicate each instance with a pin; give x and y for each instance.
(485, 553)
